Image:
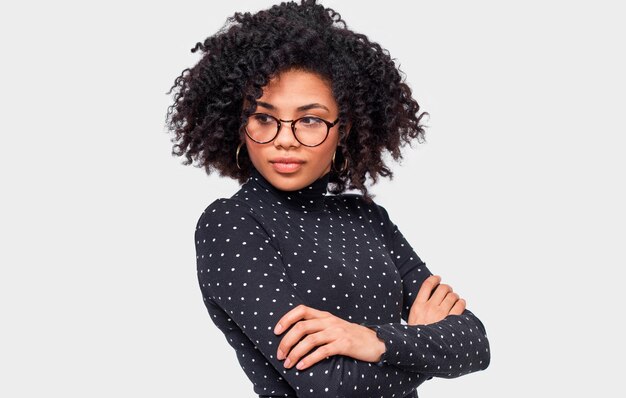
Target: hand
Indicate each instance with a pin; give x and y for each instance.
(429, 308)
(330, 334)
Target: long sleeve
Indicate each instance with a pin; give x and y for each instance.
(241, 273)
(452, 347)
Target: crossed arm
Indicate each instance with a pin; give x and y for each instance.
(335, 336)
(348, 353)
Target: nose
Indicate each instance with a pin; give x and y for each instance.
(286, 138)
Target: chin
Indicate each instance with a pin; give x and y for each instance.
(286, 182)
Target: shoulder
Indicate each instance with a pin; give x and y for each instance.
(355, 203)
(224, 211)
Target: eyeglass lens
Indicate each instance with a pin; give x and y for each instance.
(309, 130)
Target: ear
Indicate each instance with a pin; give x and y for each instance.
(348, 127)
(242, 135)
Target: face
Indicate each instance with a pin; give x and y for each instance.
(284, 162)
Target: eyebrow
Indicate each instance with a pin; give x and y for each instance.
(300, 108)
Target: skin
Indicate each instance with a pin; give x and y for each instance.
(434, 302)
(336, 336)
(284, 94)
(312, 328)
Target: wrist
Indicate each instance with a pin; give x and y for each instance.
(378, 344)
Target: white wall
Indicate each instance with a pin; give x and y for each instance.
(516, 199)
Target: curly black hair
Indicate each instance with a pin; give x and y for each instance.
(208, 112)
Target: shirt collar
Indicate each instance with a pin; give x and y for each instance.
(309, 198)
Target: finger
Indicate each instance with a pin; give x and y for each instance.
(295, 334)
(449, 301)
(458, 307)
(440, 293)
(316, 356)
(427, 287)
(294, 315)
(305, 346)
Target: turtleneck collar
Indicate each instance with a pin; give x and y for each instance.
(309, 198)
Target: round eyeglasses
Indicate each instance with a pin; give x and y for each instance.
(308, 130)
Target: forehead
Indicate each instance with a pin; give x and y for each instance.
(296, 87)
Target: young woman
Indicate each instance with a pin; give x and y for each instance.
(310, 284)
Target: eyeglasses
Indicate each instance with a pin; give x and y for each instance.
(309, 130)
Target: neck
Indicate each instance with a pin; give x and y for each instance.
(309, 198)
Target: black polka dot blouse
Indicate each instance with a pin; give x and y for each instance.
(264, 251)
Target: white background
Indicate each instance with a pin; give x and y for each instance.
(517, 199)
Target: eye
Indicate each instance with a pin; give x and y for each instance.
(310, 121)
(262, 118)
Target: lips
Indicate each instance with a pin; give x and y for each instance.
(287, 160)
(286, 164)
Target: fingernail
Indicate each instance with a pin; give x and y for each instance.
(287, 362)
(280, 354)
(278, 328)
(300, 365)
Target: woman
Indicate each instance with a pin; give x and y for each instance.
(310, 289)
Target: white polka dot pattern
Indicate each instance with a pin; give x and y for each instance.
(265, 251)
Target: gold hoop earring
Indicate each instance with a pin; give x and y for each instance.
(344, 166)
(237, 155)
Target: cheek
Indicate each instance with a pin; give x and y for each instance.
(330, 147)
(325, 152)
(256, 153)
(255, 150)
